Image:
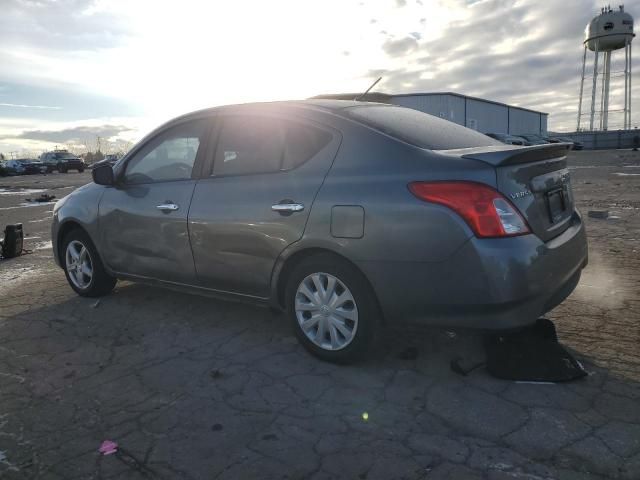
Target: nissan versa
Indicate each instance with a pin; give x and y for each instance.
(348, 215)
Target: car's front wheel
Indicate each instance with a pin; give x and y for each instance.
(332, 308)
(83, 267)
(62, 168)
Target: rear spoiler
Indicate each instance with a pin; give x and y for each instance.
(501, 155)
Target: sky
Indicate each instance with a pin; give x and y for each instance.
(75, 70)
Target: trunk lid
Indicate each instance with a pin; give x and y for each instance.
(535, 179)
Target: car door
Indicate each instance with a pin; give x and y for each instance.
(256, 199)
(143, 219)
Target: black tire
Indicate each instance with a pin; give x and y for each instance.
(62, 169)
(101, 282)
(369, 317)
(49, 169)
(80, 170)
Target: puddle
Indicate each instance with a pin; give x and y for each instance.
(12, 276)
(631, 166)
(43, 246)
(21, 191)
(620, 174)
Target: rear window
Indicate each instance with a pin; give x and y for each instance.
(418, 128)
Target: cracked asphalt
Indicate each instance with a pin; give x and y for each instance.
(194, 388)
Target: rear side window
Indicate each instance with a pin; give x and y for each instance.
(255, 144)
(418, 128)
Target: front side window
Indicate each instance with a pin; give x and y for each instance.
(256, 144)
(169, 157)
(65, 156)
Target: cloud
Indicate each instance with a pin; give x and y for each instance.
(99, 59)
(400, 47)
(39, 107)
(69, 25)
(526, 53)
(74, 134)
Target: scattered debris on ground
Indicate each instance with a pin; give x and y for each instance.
(598, 213)
(43, 198)
(108, 447)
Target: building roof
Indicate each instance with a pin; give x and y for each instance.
(369, 97)
(386, 98)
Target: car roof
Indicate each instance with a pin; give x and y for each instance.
(327, 105)
(319, 105)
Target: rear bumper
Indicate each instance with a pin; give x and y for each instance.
(486, 284)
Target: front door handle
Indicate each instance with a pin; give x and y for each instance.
(167, 207)
(287, 207)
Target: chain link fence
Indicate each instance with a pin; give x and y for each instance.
(611, 139)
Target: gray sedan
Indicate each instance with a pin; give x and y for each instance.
(346, 215)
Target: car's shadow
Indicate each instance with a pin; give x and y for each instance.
(164, 373)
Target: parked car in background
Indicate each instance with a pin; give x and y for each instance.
(347, 215)
(533, 139)
(32, 166)
(14, 167)
(576, 145)
(63, 161)
(506, 138)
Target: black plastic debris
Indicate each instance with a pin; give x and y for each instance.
(598, 213)
(460, 366)
(531, 354)
(44, 198)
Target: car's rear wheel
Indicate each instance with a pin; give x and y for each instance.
(83, 267)
(332, 308)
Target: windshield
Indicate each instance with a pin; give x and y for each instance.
(65, 156)
(418, 128)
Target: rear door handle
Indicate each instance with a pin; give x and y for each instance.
(287, 207)
(167, 207)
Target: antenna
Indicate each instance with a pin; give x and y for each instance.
(368, 89)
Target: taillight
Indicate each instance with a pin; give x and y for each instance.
(486, 211)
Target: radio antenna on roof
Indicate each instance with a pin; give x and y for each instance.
(368, 89)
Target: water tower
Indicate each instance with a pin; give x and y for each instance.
(607, 32)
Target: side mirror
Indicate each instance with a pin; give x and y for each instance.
(103, 175)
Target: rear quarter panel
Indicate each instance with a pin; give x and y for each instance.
(373, 171)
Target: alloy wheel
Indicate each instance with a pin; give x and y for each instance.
(79, 264)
